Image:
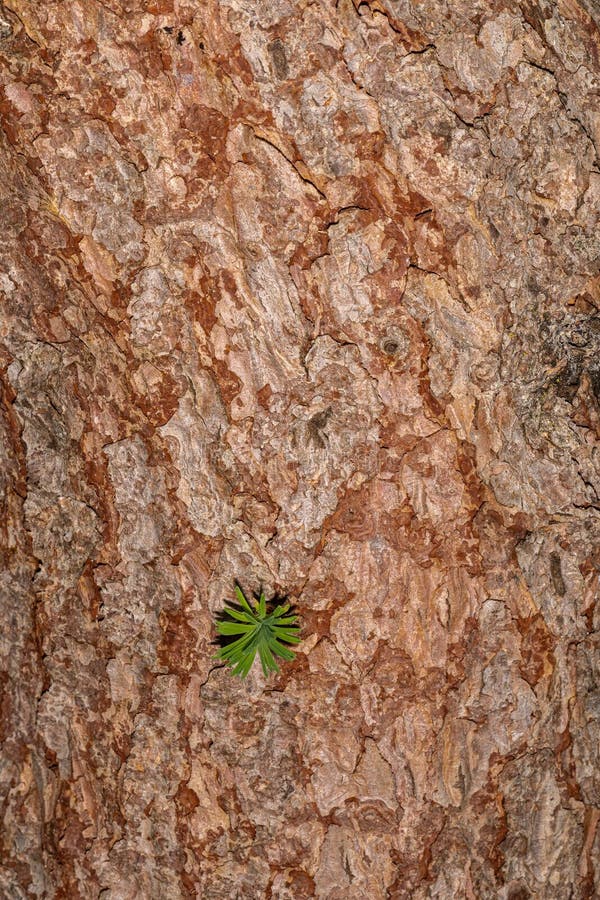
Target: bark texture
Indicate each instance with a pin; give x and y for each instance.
(303, 294)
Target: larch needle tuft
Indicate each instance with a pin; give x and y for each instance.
(257, 629)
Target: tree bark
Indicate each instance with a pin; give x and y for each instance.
(303, 295)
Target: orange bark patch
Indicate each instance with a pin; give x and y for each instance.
(537, 645)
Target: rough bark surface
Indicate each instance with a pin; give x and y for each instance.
(303, 294)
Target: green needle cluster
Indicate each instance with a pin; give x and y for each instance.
(267, 634)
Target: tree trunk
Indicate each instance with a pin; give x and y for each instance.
(303, 295)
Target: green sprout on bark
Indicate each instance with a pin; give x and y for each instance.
(256, 629)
